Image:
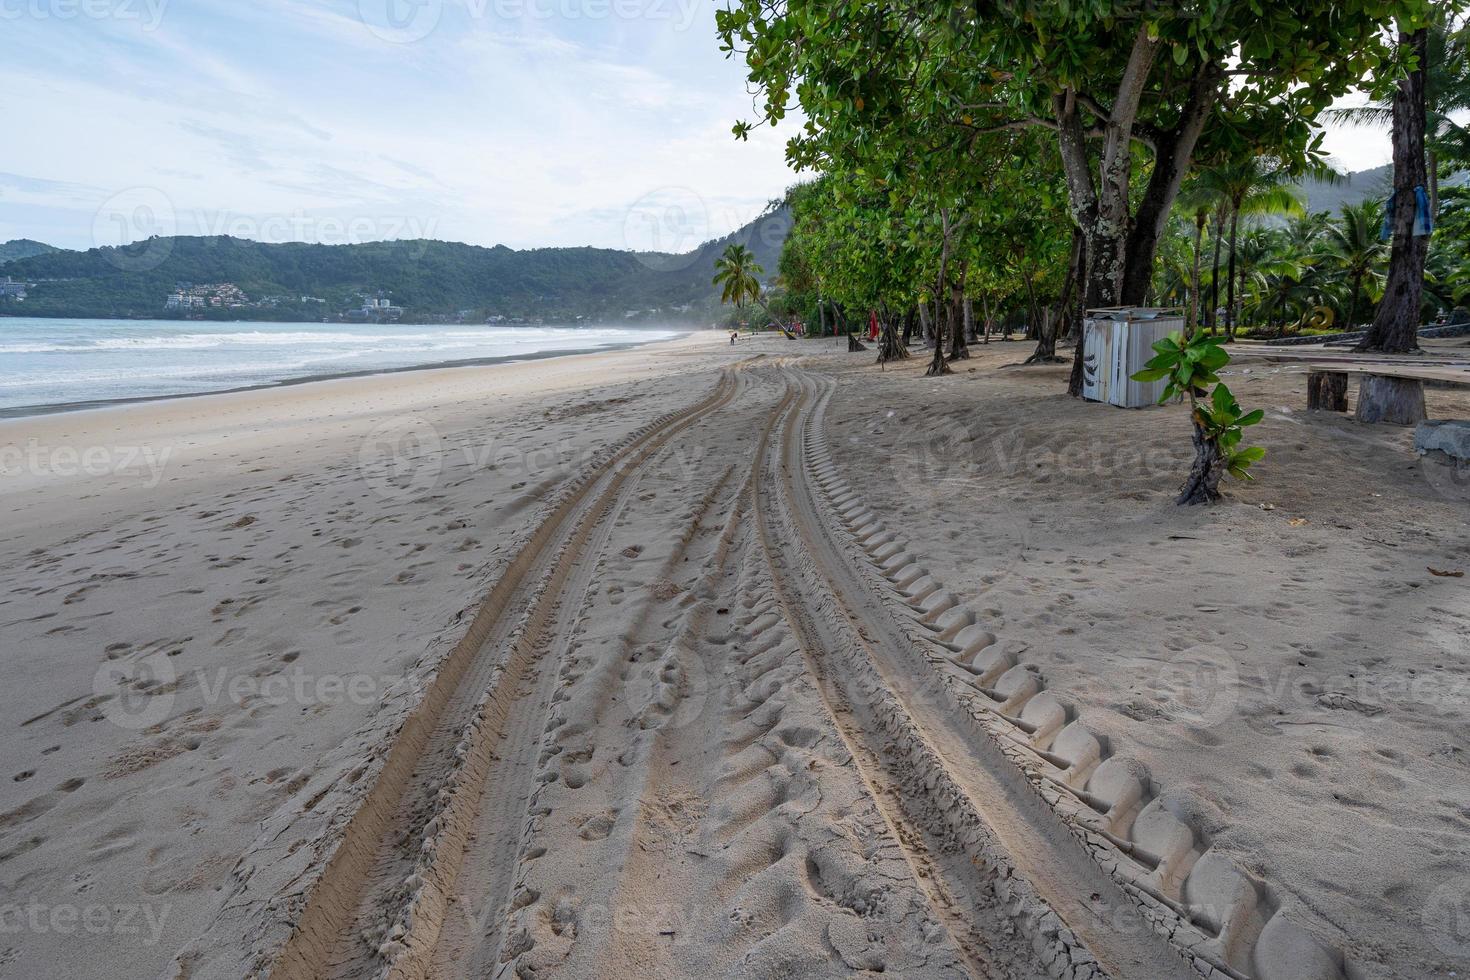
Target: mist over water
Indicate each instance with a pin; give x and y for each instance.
(56, 362)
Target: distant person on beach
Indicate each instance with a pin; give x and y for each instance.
(734, 336)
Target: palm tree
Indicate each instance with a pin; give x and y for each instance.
(1197, 200)
(1354, 243)
(735, 273)
(1251, 186)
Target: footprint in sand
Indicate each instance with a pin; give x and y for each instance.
(597, 826)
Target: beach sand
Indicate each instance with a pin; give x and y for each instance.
(590, 667)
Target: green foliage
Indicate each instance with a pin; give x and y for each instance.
(426, 277)
(23, 248)
(735, 274)
(914, 94)
(1191, 367)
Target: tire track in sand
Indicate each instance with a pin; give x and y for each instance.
(1219, 916)
(552, 748)
(384, 881)
(716, 825)
(992, 839)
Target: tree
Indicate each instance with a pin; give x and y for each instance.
(735, 274)
(1355, 246)
(1446, 93)
(1395, 328)
(1191, 366)
(1250, 186)
(1197, 200)
(1110, 79)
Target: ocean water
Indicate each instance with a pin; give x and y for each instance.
(47, 362)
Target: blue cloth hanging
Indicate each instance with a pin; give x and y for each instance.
(1423, 220)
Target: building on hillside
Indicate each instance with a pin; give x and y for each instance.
(181, 300)
(377, 309)
(11, 289)
(189, 296)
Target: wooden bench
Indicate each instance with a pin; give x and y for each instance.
(1387, 392)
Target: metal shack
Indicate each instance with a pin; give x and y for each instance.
(1116, 344)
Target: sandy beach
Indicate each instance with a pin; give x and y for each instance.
(745, 661)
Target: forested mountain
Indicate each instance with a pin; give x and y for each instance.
(429, 279)
(1363, 185)
(1375, 184)
(23, 248)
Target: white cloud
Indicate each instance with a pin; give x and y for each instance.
(527, 131)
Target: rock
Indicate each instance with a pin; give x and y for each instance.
(1444, 440)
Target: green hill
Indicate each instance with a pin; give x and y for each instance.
(430, 279)
(23, 248)
(1357, 187)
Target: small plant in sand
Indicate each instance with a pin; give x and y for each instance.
(1219, 423)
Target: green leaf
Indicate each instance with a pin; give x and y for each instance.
(1215, 357)
(1250, 419)
(1223, 400)
(1251, 454)
(1151, 374)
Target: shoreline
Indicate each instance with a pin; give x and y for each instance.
(56, 408)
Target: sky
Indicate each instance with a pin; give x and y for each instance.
(518, 122)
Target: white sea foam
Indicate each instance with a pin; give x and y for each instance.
(46, 361)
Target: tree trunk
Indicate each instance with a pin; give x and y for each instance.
(822, 317)
(937, 364)
(1352, 320)
(1192, 323)
(1212, 315)
(1399, 401)
(959, 349)
(854, 345)
(1203, 485)
(1173, 153)
(1051, 321)
(1230, 280)
(890, 347)
(1327, 391)
(970, 336)
(1033, 309)
(908, 328)
(1395, 328)
(1046, 337)
(1432, 168)
(1077, 315)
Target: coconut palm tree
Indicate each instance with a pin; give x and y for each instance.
(1358, 251)
(1253, 187)
(1197, 200)
(735, 274)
